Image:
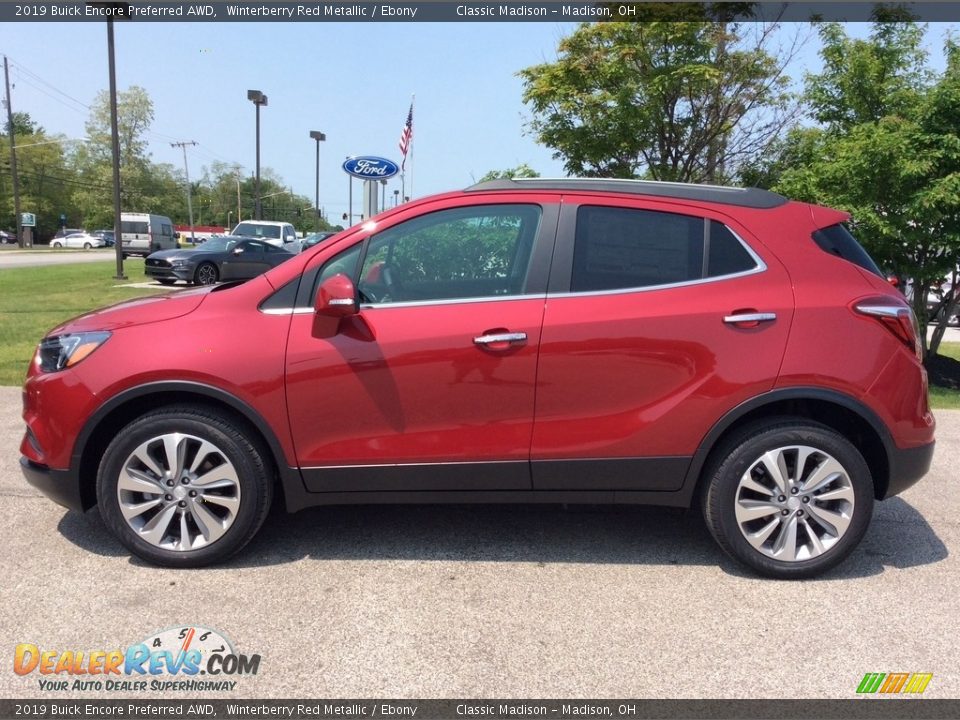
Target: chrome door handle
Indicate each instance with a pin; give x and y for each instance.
(493, 338)
(750, 317)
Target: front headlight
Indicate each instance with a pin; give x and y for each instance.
(63, 351)
(180, 263)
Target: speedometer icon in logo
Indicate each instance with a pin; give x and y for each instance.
(187, 638)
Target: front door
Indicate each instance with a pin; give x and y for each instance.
(431, 385)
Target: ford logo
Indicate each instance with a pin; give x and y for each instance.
(368, 167)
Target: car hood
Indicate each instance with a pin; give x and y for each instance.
(139, 311)
(176, 254)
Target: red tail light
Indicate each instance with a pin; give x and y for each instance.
(898, 319)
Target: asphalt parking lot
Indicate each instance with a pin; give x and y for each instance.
(499, 601)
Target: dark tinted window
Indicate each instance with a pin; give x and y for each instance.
(624, 248)
(838, 241)
(621, 248)
(134, 226)
(727, 255)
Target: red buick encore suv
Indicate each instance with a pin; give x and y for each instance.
(567, 341)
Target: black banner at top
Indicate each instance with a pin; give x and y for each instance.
(509, 11)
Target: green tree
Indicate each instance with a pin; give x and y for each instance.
(683, 101)
(93, 161)
(891, 159)
(520, 171)
(44, 178)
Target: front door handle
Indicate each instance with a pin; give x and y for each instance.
(750, 317)
(504, 339)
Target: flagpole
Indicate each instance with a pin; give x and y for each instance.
(412, 99)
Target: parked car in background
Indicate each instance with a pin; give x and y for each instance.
(218, 259)
(106, 235)
(63, 232)
(83, 240)
(8, 237)
(311, 240)
(566, 341)
(275, 233)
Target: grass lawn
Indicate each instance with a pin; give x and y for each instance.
(33, 300)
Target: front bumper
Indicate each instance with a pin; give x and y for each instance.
(907, 467)
(169, 273)
(61, 486)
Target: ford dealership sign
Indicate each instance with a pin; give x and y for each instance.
(369, 167)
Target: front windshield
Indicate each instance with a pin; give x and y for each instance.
(220, 244)
(254, 230)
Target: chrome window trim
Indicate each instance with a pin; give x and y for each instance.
(412, 303)
(452, 301)
(761, 266)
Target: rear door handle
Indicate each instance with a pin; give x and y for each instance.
(756, 317)
(506, 338)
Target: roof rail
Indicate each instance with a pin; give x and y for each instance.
(743, 197)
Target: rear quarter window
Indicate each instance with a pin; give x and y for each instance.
(837, 240)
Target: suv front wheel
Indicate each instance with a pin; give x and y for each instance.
(182, 487)
(789, 499)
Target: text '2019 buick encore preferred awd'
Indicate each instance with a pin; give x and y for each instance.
(569, 341)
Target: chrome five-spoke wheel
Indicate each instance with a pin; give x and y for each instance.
(794, 503)
(178, 492)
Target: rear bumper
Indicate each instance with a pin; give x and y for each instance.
(61, 486)
(907, 467)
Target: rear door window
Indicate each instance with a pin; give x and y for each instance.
(624, 248)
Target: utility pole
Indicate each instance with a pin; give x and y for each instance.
(13, 153)
(186, 172)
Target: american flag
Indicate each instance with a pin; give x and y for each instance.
(405, 137)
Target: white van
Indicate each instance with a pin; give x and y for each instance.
(143, 233)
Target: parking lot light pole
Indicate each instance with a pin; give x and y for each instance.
(319, 137)
(258, 99)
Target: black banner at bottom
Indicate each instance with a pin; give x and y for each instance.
(854, 708)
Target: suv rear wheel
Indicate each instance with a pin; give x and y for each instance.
(789, 499)
(183, 488)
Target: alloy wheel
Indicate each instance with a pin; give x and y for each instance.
(794, 503)
(178, 492)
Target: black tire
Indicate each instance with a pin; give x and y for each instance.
(166, 281)
(57, 244)
(87, 246)
(246, 455)
(206, 274)
(746, 447)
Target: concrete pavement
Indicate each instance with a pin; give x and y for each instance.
(499, 601)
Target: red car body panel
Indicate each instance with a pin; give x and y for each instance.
(654, 374)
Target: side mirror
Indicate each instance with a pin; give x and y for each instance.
(238, 251)
(336, 299)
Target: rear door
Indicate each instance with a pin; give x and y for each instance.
(660, 317)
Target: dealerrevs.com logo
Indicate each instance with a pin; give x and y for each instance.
(191, 658)
(894, 683)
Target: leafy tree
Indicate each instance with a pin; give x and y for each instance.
(93, 161)
(682, 101)
(891, 159)
(23, 124)
(44, 179)
(520, 171)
